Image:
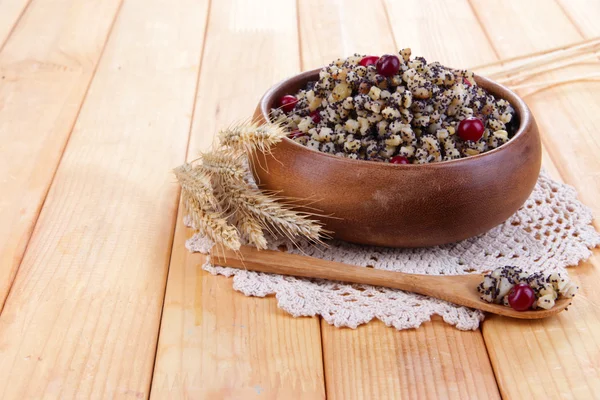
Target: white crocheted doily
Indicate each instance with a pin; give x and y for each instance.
(551, 231)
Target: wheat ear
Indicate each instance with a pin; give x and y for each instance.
(269, 212)
(201, 204)
(250, 137)
(225, 163)
(251, 228)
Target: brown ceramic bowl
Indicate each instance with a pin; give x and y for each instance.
(406, 205)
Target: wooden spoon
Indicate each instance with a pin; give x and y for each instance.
(457, 289)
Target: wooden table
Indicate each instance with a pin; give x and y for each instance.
(99, 100)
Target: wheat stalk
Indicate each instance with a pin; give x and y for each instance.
(510, 66)
(223, 203)
(516, 71)
(231, 165)
(269, 212)
(200, 202)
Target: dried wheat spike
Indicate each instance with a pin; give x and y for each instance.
(196, 182)
(251, 229)
(202, 206)
(225, 163)
(251, 136)
(270, 213)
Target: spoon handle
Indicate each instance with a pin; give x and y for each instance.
(277, 262)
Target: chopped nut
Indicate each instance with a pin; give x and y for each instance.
(341, 91)
(394, 140)
(390, 113)
(352, 126)
(374, 93)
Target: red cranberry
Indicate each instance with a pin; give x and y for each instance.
(369, 60)
(399, 160)
(388, 65)
(287, 103)
(466, 82)
(470, 129)
(521, 297)
(316, 117)
(295, 134)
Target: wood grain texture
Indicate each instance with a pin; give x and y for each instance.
(83, 314)
(45, 69)
(437, 31)
(583, 15)
(376, 361)
(555, 358)
(434, 361)
(10, 12)
(349, 26)
(215, 342)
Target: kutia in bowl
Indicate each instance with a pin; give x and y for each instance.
(453, 162)
(387, 110)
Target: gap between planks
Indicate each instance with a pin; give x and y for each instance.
(10, 17)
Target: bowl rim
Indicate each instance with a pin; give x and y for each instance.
(525, 123)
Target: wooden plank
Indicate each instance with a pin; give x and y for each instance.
(215, 342)
(434, 361)
(10, 12)
(448, 33)
(338, 23)
(45, 70)
(376, 361)
(558, 357)
(83, 316)
(583, 14)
